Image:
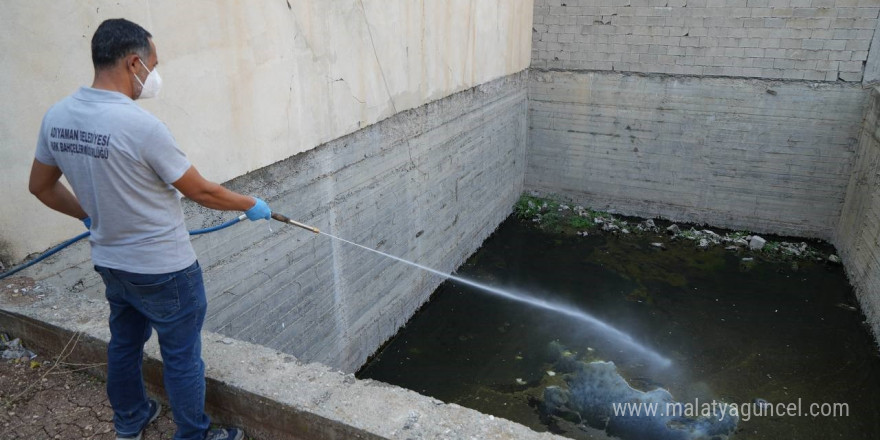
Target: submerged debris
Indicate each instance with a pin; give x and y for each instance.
(589, 389)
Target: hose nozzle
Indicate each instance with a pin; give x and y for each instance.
(284, 219)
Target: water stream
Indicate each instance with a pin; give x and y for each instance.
(600, 326)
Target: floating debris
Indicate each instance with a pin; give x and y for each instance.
(756, 243)
(556, 216)
(586, 396)
(847, 307)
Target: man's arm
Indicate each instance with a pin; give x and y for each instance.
(211, 195)
(44, 183)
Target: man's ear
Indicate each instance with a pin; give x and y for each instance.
(131, 63)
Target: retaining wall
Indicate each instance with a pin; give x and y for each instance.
(767, 156)
(858, 234)
(824, 40)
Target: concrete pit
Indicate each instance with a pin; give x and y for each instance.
(414, 130)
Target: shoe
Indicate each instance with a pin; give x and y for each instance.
(155, 409)
(225, 434)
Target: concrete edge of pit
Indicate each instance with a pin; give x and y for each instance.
(268, 393)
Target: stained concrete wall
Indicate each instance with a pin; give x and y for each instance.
(858, 234)
(247, 83)
(429, 185)
(770, 156)
(823, 40)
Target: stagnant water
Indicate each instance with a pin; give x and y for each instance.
(733, 331)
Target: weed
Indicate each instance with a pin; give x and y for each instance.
(551, 221)
(579, 222)
(771, 247)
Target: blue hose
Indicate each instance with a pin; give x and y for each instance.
(218, 227)
(79, 237)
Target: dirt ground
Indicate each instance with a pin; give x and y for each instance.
(47, 398)
(56, 401)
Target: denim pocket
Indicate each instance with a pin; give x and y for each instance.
(158, 293)
(193, 270)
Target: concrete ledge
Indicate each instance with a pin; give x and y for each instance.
(270, 394)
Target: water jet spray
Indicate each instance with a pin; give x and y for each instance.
(609, 330)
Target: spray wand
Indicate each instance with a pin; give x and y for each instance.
(285, 219)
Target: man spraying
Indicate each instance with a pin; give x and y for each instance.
(126, 170)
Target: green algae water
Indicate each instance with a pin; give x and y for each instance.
(760, 332)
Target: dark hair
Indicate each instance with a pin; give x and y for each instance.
(117, 38)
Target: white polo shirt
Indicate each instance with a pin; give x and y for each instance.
(121, 161)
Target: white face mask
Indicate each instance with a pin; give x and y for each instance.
(149, 87)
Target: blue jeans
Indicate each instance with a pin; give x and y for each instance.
(174, 304)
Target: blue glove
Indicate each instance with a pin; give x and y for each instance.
(260, 211)
(88, 222)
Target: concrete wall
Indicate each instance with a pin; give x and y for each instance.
(858, 234)
(698, 110)
(823, 40)
(760, 155)
(872, 65)
(247, 83)
(429, 185)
